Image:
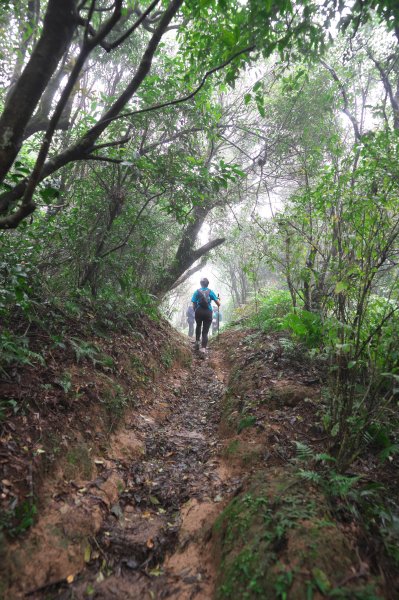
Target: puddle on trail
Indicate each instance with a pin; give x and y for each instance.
(151, 536)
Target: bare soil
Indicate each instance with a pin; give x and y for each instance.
(135, 517)
(141, 526)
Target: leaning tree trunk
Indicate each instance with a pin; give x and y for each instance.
(186, 254)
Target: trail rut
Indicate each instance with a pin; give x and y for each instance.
(172, 483)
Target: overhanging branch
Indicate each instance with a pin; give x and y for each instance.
(208, 247)
(190, 272)
(188, 96)
(344, 95)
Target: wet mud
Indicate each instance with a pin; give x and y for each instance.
(158, 491)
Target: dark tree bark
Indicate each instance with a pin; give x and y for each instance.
(190, 272)
(58, 28)
(186, 254)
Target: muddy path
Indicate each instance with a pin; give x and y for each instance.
(141, 525)
(154, 538)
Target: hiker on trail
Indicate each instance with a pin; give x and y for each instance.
(201, 300)
(190, 313)
(216, 319)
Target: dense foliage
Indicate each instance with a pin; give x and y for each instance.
(125, 129)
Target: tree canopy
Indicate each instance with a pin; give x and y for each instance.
(128, 130)
(146, 143)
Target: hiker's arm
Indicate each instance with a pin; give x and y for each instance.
(194, 306)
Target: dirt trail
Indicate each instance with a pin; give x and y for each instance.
(142, 526)
(161, 487)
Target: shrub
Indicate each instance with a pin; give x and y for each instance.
(272, 309)
(306, 326)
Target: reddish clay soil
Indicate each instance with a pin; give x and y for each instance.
(138, 524)
(141, 526)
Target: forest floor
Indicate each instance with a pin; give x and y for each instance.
(195, 495)
(141, 527)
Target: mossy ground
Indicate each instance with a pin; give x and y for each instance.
(278, 540)
(283, 537)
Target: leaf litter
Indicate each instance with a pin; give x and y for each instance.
(152, 528)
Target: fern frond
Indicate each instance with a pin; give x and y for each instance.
(340, 485)
(324, 457)
(304, 452)
(310, 476)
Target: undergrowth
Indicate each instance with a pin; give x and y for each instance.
(354, 498)
(78, 370)
(273, 542)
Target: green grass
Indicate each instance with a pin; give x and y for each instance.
(248, 421)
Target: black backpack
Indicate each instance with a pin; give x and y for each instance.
(203, 301)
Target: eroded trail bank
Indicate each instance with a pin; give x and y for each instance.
(218, 485)
(142, 526)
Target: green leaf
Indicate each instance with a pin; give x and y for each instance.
(341, 286)
(261, 110)
(49, 193)
(228, 38)
(268, 5)
(321, 580)
(335, 430)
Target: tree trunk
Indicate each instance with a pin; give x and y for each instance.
(80, 149)
(186, 255)
(58, 28)
(89, 274)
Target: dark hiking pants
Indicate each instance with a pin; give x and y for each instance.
(203, 318)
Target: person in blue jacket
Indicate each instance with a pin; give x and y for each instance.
(202, 304)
